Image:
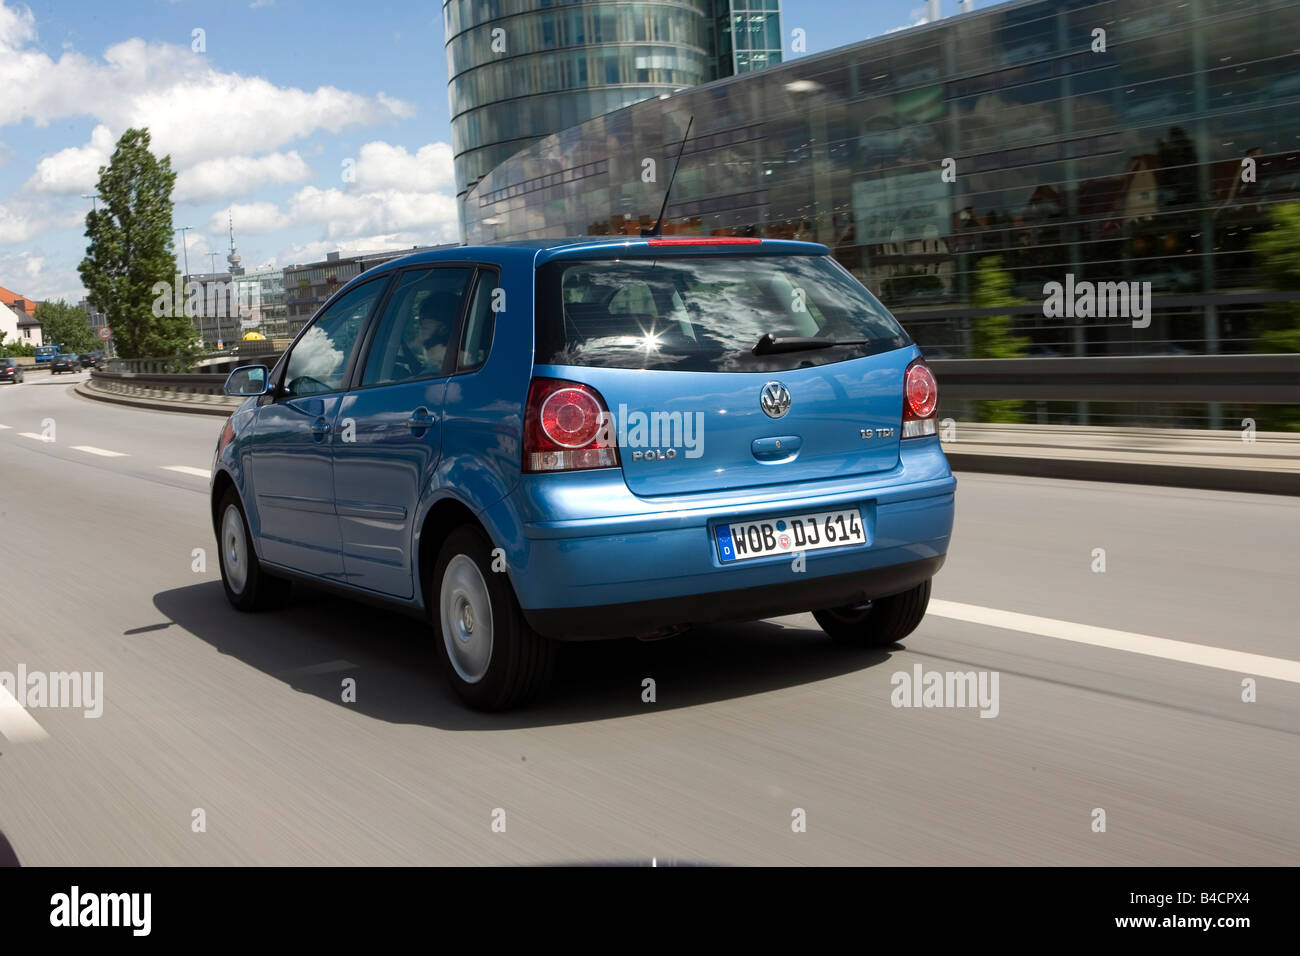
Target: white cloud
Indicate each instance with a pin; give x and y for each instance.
(299, 253)
(253, 217)
(15, 226)
(227, 135)
(918, 19)
(74, 170)
(16, 26)
(29, 274)
(382, 165)
(227, 177)
(193, 110)
(346, 215)
(22, 220)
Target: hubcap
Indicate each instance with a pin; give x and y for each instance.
(465, 612)
(234, 550)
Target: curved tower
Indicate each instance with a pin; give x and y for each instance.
(523, 69)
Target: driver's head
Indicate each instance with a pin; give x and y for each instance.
(437, 312)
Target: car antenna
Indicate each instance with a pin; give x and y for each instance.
(658, 229)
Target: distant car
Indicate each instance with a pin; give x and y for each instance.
(64, 363)
(10, 370)
(88, 360)
(507, 486)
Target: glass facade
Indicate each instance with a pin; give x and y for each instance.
(959, 167)
(305, 288)
(263, 291)
(749, 35)
(521, 70)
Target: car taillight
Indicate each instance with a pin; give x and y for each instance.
(567, 428)
(920, 400)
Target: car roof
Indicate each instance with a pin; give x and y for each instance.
(537, 251)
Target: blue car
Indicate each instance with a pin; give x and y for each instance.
(590, 438)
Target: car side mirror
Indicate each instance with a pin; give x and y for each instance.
(248, 380)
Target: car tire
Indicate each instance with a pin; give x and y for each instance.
(883, 622)
(506, 665)
(249, 587)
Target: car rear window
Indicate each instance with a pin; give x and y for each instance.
(705, 313)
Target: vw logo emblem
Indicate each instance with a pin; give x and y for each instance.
(774, 399)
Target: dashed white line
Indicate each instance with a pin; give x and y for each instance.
(92, 450)
(1240, 662)
(16, 724)
(33, 435)
(187, 470)
(5, 427)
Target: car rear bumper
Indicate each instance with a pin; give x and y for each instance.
(607, 563)
(744, 604)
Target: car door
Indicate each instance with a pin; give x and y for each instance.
(391, 426)
(290, 459)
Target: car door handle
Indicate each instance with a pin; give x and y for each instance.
(319, 429)
(421, 419)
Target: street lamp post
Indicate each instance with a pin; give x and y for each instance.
(213, 256)
(185, 248)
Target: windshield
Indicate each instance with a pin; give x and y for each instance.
(705, 313)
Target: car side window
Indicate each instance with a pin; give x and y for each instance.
(319, 360)
(416, 330)
(480, 323)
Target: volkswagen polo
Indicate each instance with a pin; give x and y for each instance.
(579, 439)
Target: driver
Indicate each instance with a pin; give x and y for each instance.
(425, 344)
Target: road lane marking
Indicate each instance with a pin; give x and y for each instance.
(187, 470)
(33, 435)
(1278, 668)
(92, 450)
(5, 427)
(16, 724)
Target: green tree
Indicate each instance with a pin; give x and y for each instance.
(992, 336)
(15, 349)
(131, 249)
(66, 325)
(1279, 266)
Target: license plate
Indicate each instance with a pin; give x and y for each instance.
(743, 540)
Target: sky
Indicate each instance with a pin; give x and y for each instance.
(315, 125)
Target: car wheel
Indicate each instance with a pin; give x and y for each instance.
(248, 586)
(494, 660)
(883, 622)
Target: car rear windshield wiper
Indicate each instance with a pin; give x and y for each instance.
(769, 344)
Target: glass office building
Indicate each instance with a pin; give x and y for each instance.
(305, 287)
(524, 69)
(959, 167)
(747, 37)
(261, 295)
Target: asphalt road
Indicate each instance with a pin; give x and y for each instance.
(241, 716)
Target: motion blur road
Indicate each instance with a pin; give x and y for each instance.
(241, 716)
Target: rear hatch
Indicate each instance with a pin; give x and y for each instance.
(670, 344)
